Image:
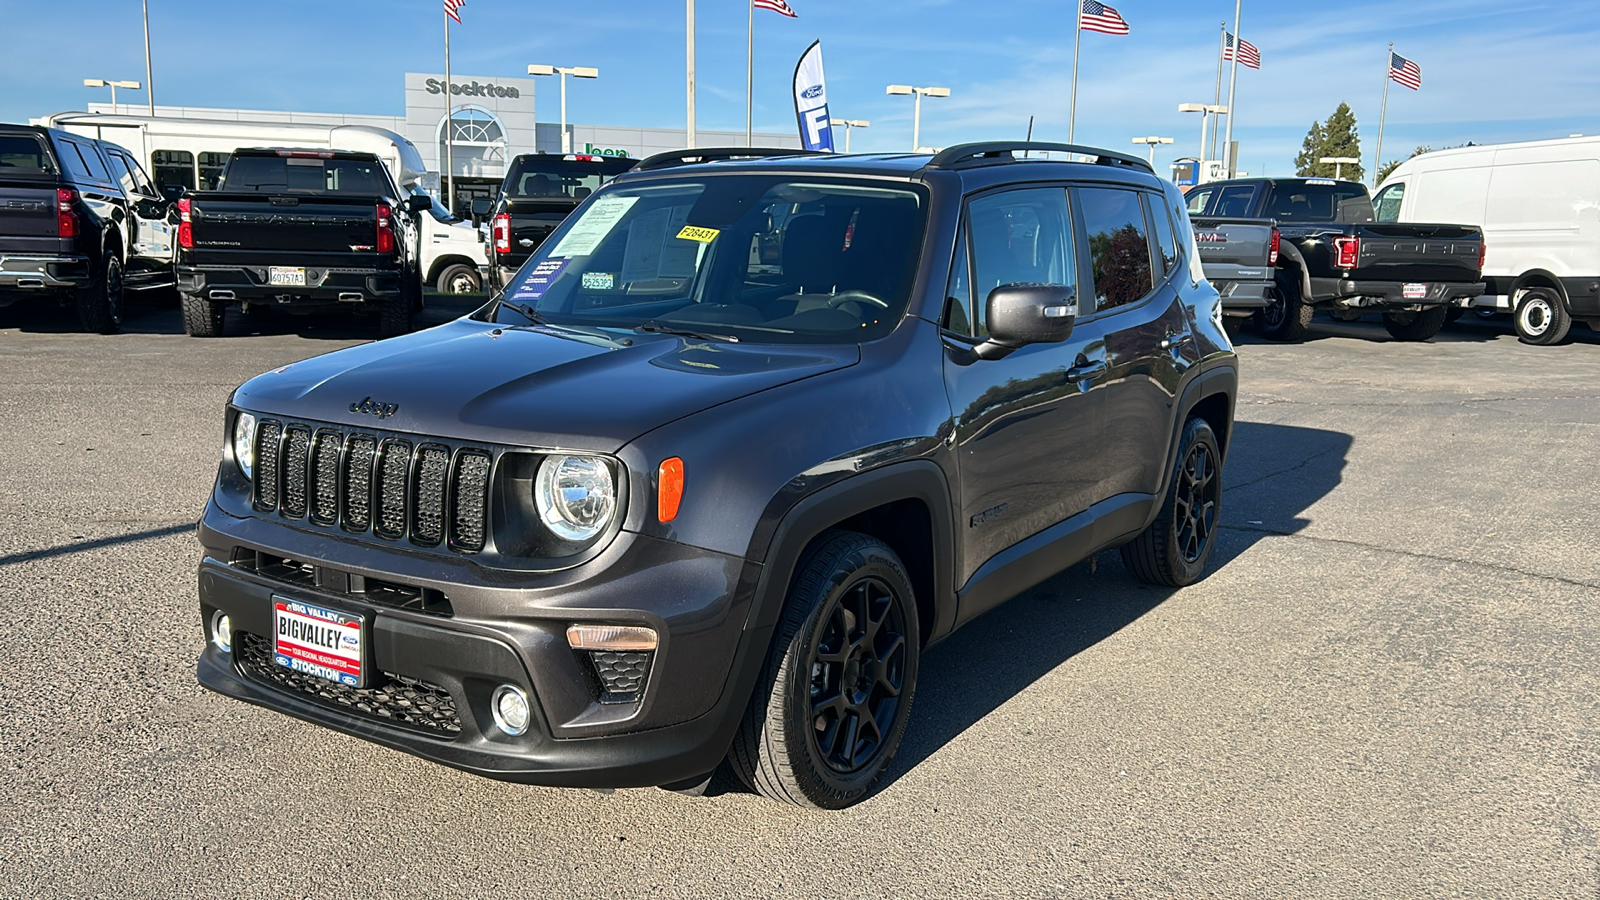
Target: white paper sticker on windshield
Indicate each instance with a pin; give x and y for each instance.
(642, 260)
(597, 222)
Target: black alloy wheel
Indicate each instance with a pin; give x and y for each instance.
(1287, 316)
(1174, 549)
(835, 694)
(99, 306)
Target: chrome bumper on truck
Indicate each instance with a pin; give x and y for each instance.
(43, 273)
(322, 284)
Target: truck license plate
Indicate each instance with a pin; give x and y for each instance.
(317, 641)
(1414, 291)
(286, 276)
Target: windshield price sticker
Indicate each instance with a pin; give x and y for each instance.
(539, 280)
(317, 641)
(597, 222)
(694, 233)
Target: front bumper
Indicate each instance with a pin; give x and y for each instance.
(44, 273)
(503, 628)
(1392, 294)
(323, 285)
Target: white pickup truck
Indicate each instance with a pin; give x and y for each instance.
(454, 255)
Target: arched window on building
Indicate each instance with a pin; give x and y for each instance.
(479, 142)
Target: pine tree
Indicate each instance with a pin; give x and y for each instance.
(1335, 137)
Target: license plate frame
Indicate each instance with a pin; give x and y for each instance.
(319, 641)
(286, 276)
(1414, 291)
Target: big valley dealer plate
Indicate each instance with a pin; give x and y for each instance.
(318, 641)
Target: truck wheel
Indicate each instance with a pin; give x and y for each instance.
(202, 317)
(459, 279)
(99, 305)
(1415, 326)
(833, 699)
(1288, 316)
(1173, 551)
(395, 315)
(1542, 318)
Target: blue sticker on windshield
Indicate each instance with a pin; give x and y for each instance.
(540, 279)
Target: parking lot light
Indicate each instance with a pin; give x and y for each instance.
(563, 72)
(101, 82)
(849, 124)
(1152, 141)
(900, 90)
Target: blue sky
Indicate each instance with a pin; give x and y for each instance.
(1492, 71)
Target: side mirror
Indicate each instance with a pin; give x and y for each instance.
(418, 203)
(1022, 314)
(480, 207)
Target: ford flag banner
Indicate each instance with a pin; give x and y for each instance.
(811, 101)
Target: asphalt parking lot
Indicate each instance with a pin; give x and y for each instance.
(1386, 687)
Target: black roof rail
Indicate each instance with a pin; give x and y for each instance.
(991, 152)
(715, 154)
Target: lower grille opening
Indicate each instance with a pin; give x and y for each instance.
(337, 581)
(398, 700)
(620, 674)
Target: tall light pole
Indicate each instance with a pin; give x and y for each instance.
(1152, 141)
(149, 79)
(849, 124)
(901, 90)
(575, 72)
(691, 141)
(99, 82)
(1206, 111)
(1339, 162)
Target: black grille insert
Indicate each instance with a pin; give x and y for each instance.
(398, 700)
(325, 477)
(621, 673)
(469, 523)
(358, 483)
(433, 466)
(268, 435)
(296, 450)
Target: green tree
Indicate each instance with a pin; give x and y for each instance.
(1337, 136)
(1387, 169)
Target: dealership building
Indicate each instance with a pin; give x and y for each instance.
(492, 119)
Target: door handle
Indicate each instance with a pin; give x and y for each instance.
(1176, 340)
(1087, 371)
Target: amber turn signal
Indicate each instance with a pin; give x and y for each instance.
(669, 489)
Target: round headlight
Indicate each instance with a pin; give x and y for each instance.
(576, 496)
(244, 442)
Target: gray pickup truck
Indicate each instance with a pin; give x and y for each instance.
(1240, 258)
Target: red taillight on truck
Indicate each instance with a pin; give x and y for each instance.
(67, 213)
(1345, 250)
(1483, 253)
(185, 229)
(1272, 249)
(502, 233)
(386, 240)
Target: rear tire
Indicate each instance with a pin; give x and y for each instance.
(99, 306)
(1289, 316)
(459, 278)
(1415, 326)
(396, 316)
(1542, 318)
(1174, 549)
(202, 317)
(835, 694)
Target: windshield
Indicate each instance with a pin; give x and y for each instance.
(305, 174)
(558, 178)
(1319, 201)
(745, 257)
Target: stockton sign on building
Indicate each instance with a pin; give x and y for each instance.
(472, 88)
(494, 120)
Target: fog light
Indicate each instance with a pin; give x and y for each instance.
(222, 631)
(510, 707)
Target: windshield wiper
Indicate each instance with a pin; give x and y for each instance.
(654, 327)
(527, 312)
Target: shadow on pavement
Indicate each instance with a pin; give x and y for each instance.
(96, 544)
(159, 314)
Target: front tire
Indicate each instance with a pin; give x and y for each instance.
(835, 694)
(1542, 318)
(202, 317)
(1174, 549)
(1288, 317)
(1415, 326)
(459, 278)
(99, 306)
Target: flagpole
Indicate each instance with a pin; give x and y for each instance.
(690, 29)
(1233, 81)
(449, 126)
(1388, 66)
(1222, 47)
(750, 75)
(1077, 40)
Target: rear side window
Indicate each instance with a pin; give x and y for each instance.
(1311, 202)
(22, 154)
(1235, 201)
(173, 167)
(300, 174)
(1019, 237)
(92, 166)
(1166, 244)
(1119, 247)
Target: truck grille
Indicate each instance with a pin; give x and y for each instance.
(427, 492)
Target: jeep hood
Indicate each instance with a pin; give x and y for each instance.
(532, 386)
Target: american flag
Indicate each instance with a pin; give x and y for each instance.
(777, 6)
(452, 8)
(1249, 56)
(1097, 16)
(1405, 71)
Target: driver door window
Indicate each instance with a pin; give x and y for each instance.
(1018, 237)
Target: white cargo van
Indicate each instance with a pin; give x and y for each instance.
(1539, 206)
(189, 154)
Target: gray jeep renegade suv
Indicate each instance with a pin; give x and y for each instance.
(744, 437)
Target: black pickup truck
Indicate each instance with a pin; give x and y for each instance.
(300, 230)
(80, 224)
(538, 193)
(1333, 255)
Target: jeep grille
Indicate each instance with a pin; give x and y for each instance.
(428, 492)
